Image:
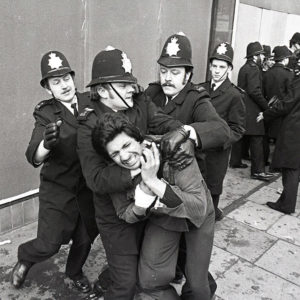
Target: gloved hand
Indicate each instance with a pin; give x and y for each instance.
(184, 155)
(51, 134)
(138, 89)
(171, 141)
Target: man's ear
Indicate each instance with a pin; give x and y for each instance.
(102, 92)
(187, 76)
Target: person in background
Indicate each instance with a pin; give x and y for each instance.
(227, 99)
(295, 53)
(175, 203)
(276, 84)
(286, 154)
(268, 61)
(250, 80)
(66, 211)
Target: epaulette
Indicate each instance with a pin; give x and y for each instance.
(84, 114)
(288, 69)
(253, 64)
(238, 88)
(199, 86)
(43, 103)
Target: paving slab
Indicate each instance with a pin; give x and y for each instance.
(221, 261)
(46, 280)
(282, 259)
(242, 240)
(250, 282)
(255, 215)
(287, 228)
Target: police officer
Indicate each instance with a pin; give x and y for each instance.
(295, 53)
(179, 98)
(268, 61)
(227, 99)
(66, 209)
(276, 82)
(113, 90)
(250, 80)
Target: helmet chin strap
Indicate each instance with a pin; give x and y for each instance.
(119, 95)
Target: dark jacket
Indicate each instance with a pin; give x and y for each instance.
(276, 82)
(287, 149)
(250, 80)
(63, 194)
(227, 99)
(118, 236)
(192, 107)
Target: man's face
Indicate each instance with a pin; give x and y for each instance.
(173, 80)
(62, 87)
(219, 70)
(269, 61)
(260, 59)
(111, 98)
(125, 151)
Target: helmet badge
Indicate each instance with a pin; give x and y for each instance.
(54, 61)
(173, 47)
(126, 63)
(222, 49)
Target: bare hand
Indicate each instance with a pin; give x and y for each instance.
(150, 163)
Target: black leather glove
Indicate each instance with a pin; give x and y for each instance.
(51, 134)
(184, 155)
(138, 89)
(171, 141)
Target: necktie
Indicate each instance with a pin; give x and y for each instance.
(73, 105)
(213, 87)
(168, 99)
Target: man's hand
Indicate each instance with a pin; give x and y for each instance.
(184, 155)
(171, 141)
(260, 117)
(150, 163)
(51, 134)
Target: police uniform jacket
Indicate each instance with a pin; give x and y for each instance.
(103, 178)
(192, 107)
(287, 149)
(276, 82)
(227, 99)
(63, 194)
(250, 80)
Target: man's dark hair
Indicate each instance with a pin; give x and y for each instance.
(189, 70)
(108, 126)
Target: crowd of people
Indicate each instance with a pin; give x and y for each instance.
(145, 168)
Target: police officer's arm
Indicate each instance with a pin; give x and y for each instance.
(211, 129)
(236, 118)
(100, 177)
(254, 89)
(36, 153)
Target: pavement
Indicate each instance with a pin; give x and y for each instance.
(256, 252)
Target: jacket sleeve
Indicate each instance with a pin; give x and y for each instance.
(254, 89)
(37, 136)
(101, 177)
(190, 187)
(211, 129)
(236, 118)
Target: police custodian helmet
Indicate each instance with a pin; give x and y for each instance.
(111, 65)
(254, 48)
(224, 52)
(177, 52)
(54, 63)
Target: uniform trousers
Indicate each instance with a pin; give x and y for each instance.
(38, 250)
(158, 260)
(257, 154)
(288, 198)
